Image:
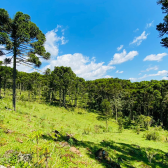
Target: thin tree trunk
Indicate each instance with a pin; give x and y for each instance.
(60, 96)
(50, 96)
(75, 101)
(4, 87)
(20, 88)
(106, 125)
(14, 78)
(64, 97)
(29, 95)
(116, 113)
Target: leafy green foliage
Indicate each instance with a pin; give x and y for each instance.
(162, 27)
(152, 135)
(120, 124)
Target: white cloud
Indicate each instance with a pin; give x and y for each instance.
(154, 57)
(108, 76)
(151, 68)
(139, 73)
(20, 67)
(133, 79)
(165, 78)
(148, 25)
(81, 65)
(119, 58)
(119, 48)
(25, 68)
(136, 30)
(159, 73)
(52, 41)
(2, 58)
(138, 40)
(119, 71)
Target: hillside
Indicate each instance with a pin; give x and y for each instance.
(29, 130)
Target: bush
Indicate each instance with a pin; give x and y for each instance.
(120, 124)
(71, 141)
(144, 121)
(158, 128)
(152, 135)
(137, 129)
(87, 130)
(22, 98)
(97, 129)
(127, 121)
(110, 129)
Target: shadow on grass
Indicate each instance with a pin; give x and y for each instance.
(121, 153)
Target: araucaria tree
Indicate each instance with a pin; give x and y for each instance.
(23, 38)
(163, 27)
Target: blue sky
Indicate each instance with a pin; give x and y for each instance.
(100, 38)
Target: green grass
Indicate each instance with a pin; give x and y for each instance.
(32, 116)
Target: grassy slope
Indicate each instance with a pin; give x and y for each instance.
(33, 116)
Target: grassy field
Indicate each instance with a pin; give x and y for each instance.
(29, 131)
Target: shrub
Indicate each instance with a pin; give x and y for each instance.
(23, 98)
(144, 121)
(158, 128)
(120, 124)
(152, 135)
(110, 129)
(97, 129)
(127, 122)
(149, 153)
(71, 141)
(137, 129)
(87, 130)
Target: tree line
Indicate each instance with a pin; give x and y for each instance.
(119, 97)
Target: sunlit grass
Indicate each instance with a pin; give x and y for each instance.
(32, 116)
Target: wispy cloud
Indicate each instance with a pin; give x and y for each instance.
(148, 25)
(133, 79)
(154, 57)
(159, 73)
(108, 76)
(136, 30)
(151, 68)
(119, 58)
(138, 40)
(119, 71)
(119, 48)
(165, 78)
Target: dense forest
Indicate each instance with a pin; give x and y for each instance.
(62, 87)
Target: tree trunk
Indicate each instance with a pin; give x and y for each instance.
(20, 88)
(14, 78)
(4, 87)
(29, 95)
(106, 125)
(64, 97)
(60, 96)
(75, 102)
(50, 95)
(116, 113)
